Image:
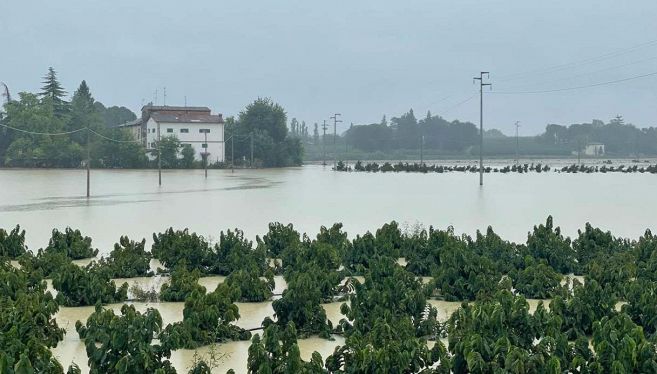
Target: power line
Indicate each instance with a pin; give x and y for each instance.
(43, 133)
(589, 60)
(589, 73)
(114, 140)
(575, 87)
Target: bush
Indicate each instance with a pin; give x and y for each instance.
(249, 287)
(279, 238)
(12, 244)
(125, 343)
(28, 328)
(207, 319)
(90, 285)
(234, 252)
(173, 247)
(128, 260)
(72, 244)
(183, 283)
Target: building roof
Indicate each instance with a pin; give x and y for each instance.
(594, 144)
(187, 118)
(154, 108)
(136, 122)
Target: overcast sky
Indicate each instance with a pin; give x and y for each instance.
(362, 58)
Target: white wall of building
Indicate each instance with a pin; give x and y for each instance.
(190, 133)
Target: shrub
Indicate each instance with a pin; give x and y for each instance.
(71, 243)
(78, 286)
(12, 244)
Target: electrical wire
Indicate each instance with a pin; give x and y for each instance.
(42, 133)
(589, 60)
(114, 140)
(574, 87)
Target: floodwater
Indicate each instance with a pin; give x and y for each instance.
(131, 203)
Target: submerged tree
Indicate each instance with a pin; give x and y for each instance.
(125, 343)
(12, 243)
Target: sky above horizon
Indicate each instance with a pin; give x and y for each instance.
(363, 59)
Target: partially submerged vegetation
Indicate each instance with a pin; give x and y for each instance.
(387, 167)
(388, 317)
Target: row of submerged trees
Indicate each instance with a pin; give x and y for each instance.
(388, 167)
(387, 319)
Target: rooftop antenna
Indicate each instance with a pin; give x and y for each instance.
(165, 97)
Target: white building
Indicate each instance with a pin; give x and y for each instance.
(594, 149)
(195, 126)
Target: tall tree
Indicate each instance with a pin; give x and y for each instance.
(53, 93)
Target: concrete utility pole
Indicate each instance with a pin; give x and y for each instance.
(88, 164)
(481, 123)
(335, 135)
(205, 156)
(232, 153)
(421, 149)
(251, 150)
(517, 143)
(324, 127)
(159, 157)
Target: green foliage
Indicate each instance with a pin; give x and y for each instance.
(266, 121)
(12, 244)
(128, 260)
(386, 322)
(300, 304)
(187, 153)
(389, 294)
(547, 242)
(500, 335)
(27, 325)
(424, 252)
(464, 274)
(578, 311)
(249, 287)
(78, 286)
(537, 281)
(278, 352)
(593, 242)
(114, 115)
(125, 343)
(207, 319)
(641, 307)
(44, 264)
(621, 347)
(279, 238)
(234, 252)
(183, 283)
(173, 247)
(71, 243)
(169, 148)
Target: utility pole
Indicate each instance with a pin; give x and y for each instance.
(517, 143)
(88, 165)
(232, 153)
(205, 157)
(481, 123)
(422, 150)
(159, 157)
(335, 135)
(251, 149)
(165, 97)
(324, 127)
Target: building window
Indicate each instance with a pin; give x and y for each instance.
(169, 130)
(204, 145)
(204, 131)
(184, 131)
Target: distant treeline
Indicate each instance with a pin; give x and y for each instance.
(403, 136)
